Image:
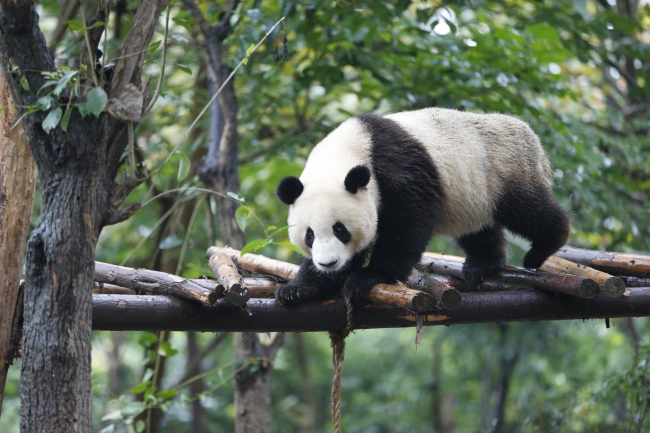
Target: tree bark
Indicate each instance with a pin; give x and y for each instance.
(17, 183)
(77, 170)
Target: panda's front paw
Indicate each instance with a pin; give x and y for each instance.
(291, 294)
(361, 282)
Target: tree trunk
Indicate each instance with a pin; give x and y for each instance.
(17, 182)
(77, 170)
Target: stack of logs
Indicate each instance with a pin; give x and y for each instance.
(571, 271)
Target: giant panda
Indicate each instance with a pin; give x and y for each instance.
(386, 185)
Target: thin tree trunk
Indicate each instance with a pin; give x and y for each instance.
(309, 393)
(196, 387)
(17, 182)
(77, 170)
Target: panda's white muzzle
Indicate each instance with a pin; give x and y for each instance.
(329, 254)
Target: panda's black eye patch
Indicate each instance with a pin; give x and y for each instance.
(341, 232)
(309, 237)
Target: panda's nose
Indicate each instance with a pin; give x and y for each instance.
(328, 265)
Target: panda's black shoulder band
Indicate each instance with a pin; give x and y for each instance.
(357, 177)
(289, 189)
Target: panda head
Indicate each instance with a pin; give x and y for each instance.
(330, 218)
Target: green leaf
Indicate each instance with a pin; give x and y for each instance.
(66, 119)
(96, 101)
(52, 119)
(249, 51)
(170, 242)
(235, 197)
(545, 32)
(153, 47)
(108, 429)
(141, 387)
(75, 25)
(148, 374)
(147, 339)
(64, 81)
(184, 68)
(254, 245)
(140, 425)
(45, 102)
(184, 166)
(291, 247)
(24, 83)
(112, 415)
(3, 108)
(240, 216)
(169, 393)
(167, 350)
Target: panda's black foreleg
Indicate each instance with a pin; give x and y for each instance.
(392, 260)
(311, 283)
(534, 214)
(486, 251)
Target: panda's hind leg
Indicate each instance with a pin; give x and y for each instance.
(534, 214)
(486, 251)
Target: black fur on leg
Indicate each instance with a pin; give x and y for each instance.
(311, 283)
(411, 203)
(533, 213)
(486, 250)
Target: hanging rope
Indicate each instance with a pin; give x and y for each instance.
(337, 340)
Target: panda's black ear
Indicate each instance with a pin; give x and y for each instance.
(357, 177)
(289, 189)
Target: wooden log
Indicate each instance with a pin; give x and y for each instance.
(384, 293)
(560, 283)
(444, 294)
(257, 287)
(120, 312)
(485, 286)
(635, 265)
(256, 263)
(111, 289)
(399, 295)
(636, 281)
(227, 275)
(608, 285)
(154, 282)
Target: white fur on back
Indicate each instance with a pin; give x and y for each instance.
(477, 156)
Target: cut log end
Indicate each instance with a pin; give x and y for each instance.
(588, 288)
(237, 295)
(422, 302)
(451, 299)
(613, 287)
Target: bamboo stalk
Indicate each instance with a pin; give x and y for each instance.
(154, 282)
(607, 284)
(444, 294)
(635, 265)
(510, 275)
(257, 263)
(226, 273)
